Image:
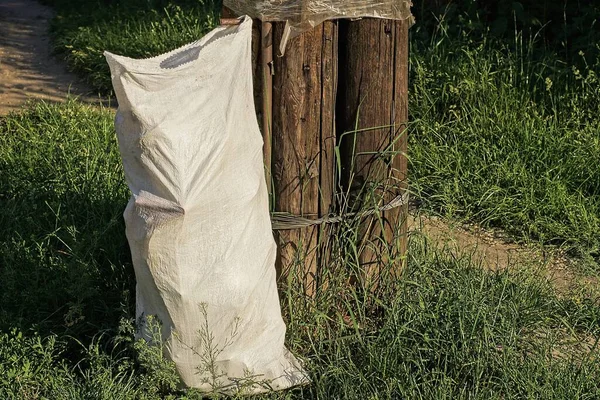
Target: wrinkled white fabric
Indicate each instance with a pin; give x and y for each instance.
(198, 221)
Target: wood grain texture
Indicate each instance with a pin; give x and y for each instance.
(296, 168)
(265, 82)
(372, 103)
(327, 174)
(341, 75)
(400, 134)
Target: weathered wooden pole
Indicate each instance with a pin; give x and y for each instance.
(342, 83)
(371, 122)
(264, 83)
(304, 141)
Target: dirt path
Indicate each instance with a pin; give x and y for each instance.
(27, 67)
(494, 251)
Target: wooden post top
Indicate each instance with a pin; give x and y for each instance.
(230, 21)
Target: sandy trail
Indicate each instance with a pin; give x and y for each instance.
(494, 251)
(27, 68)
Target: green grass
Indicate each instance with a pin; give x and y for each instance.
(62, 196)
(136, 28)
(449, 329)
(508, 137)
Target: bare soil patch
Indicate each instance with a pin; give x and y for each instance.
(495, 251)
(27, 68)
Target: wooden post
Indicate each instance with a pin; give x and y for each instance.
(262, 63)
(372, 100)
(304, 141)
(336, 77)
(266, 87)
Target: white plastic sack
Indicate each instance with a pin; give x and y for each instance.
(198, 222)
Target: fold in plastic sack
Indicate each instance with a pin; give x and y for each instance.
(198, 221)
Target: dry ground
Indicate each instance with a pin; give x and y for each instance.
(27, 67)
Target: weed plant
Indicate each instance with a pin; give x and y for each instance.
(65, 261)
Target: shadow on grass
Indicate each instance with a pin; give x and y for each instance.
(68, 278)
(65, 263)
